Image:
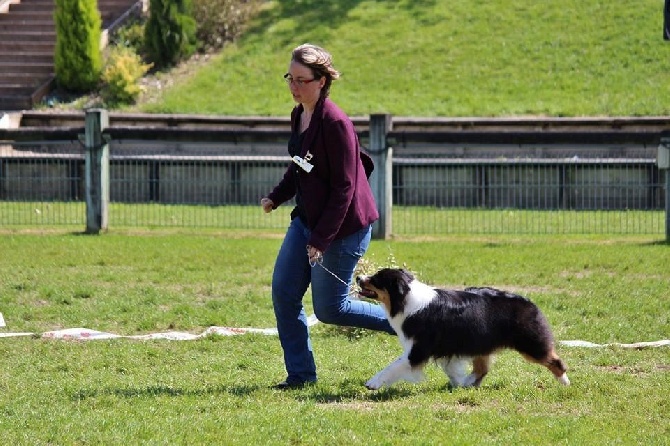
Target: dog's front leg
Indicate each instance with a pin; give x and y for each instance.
(389, 375)
(397, 370)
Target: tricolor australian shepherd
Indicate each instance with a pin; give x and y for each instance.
(457, 328)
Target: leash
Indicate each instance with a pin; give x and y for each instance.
(319, 261)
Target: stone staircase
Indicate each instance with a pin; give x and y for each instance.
(27, 42)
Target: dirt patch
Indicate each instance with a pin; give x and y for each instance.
(634, 371)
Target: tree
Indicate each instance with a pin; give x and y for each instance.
(170, 32)
(77, 58)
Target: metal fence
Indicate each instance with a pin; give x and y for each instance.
(436, 190)
(533, 189)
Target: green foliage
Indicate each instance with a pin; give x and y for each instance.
(221, 21)
(77, 58)
(131, 36)
(446, 58)
(170, 32)
(121, 75)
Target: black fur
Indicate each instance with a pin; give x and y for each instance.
(475, 322)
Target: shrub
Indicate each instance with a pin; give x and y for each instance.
(77, 57)
(123, 70)
(221, 21)
(131, 35)
(169, 32)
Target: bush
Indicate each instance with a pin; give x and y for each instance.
(131, 35)
(77, 57)
(221, 21)
(123, 70)
(169, 32)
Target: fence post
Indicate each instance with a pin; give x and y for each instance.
(381, 178)
(663, 162)
(97, 171)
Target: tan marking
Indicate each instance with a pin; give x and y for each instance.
(552, 361)
(383, 297)
(480, 368)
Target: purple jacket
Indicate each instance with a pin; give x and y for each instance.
(336, 194)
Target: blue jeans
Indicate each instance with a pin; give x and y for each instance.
(292, 276)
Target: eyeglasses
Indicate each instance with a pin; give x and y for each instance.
(299, 82)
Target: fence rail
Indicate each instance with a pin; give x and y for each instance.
(442, 176)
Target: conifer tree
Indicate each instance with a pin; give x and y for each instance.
(77, 57)
(170, 32)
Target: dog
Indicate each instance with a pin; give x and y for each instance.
(456, 329)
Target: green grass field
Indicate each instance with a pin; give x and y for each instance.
(443, 58)
(407, 58)
(406, 220)
(215, 390)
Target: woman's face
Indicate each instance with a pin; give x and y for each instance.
(305, 89)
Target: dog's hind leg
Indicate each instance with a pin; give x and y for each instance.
(456, 369)
(480, 368)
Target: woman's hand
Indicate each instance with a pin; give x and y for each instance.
(267, 205)
(315, 256)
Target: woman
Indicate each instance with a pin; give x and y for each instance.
(332, 218)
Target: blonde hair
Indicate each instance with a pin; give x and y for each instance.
(319, 61)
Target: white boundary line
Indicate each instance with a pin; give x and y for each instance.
(86, 334)
(636, 345)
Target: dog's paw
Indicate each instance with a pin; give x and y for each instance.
(374, 383)
(469, 380)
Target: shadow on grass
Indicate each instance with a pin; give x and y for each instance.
(379, 396)
(159, 390)
(656, 243)
(346, 391)
(349, 392)
(313, 15)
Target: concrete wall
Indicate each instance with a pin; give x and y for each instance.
(530, 186)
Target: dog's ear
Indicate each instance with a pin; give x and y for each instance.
(400, 286)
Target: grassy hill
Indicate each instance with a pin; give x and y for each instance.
(445, 58)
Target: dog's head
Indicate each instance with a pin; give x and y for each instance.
(389, 286)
